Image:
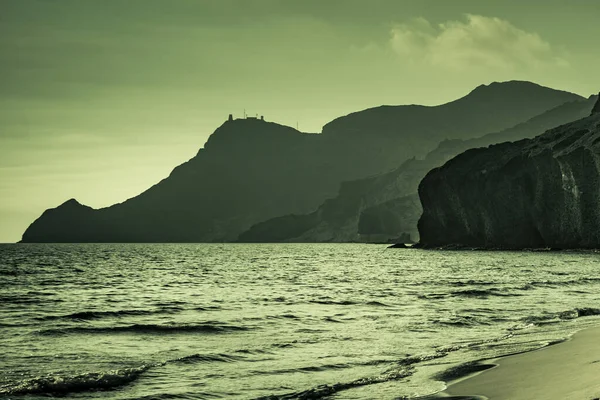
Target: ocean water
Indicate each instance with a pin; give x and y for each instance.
(274, 321)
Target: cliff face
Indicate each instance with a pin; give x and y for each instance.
(535, 193)
(251, 170)
(385, 207)
(596, 108)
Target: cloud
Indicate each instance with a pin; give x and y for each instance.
(476, 42)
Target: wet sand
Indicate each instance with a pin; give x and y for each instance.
(566, 371)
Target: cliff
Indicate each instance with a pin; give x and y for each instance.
(251, 170)
(535, 193)
(596, 108)
(385, 207)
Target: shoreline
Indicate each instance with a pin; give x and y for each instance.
(569, 370)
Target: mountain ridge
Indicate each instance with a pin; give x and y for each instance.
(385, 208)
(252, 170)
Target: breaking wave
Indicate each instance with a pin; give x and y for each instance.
(563, 315)
(483, 293)
(88, 315)
(323, 391)
(206, 328)
(61, 385)
(208, 358)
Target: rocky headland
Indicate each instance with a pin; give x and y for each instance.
(535, 193)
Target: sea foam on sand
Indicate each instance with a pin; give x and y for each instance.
(568, 371)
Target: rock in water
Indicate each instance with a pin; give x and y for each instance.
(533, 193)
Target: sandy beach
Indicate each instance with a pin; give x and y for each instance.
(566, 371)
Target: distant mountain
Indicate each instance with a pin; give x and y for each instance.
(338, 219)
(534, 193)
(414, 130)
(251, 170)
(386, 208)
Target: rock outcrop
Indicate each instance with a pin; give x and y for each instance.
(535, 193)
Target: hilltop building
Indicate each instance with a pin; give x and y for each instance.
(262, 117)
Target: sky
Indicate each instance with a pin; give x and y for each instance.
(100, 99)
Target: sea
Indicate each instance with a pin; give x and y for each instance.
(275, 321)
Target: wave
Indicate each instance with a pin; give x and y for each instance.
(405, 368)
(61, 385)
(207, 308)
(565, 315)
(193, 395)
(550, 283)
(411, 360)
(88, 315)
(29, 298)
(587, 312)
(312, 368)
(253, 351)
(376, 303)
(280, 316)
(208, 358)
(469, 293)
(462, 321)
(334, 302)
(557, 317)
(470, 282)
(462, 370)
(206, 328)
(373, 303)
(324, 391)
(482, 293)
(433, 296)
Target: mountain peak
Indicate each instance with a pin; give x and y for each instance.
(243, 132)
(498, 85)
(70, 203)
(73, 204)
(510, 87)
(252, 124)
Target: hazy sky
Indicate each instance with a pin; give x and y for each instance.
(99, 99)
